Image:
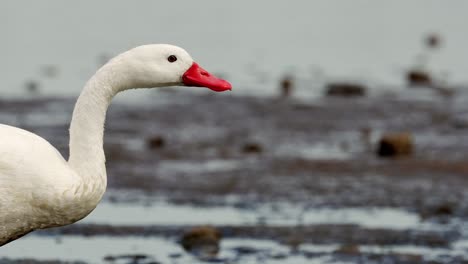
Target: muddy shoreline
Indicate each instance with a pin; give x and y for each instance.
(201, 149)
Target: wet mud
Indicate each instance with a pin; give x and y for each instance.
(202, 149)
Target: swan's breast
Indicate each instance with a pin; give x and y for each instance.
(36, 183)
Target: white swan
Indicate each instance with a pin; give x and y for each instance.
(38, 187)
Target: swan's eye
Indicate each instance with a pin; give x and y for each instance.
(171, 58)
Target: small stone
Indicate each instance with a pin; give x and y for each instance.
(252, 148)
(345, 89)
(395, 145)
(444, 209)
(286, 86)
(439, 211)
(156, 142)
(348, 250)
(202, 242)
(417, 78)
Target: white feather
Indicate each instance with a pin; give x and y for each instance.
(38, 187)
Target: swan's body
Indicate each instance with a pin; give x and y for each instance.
(38, 187)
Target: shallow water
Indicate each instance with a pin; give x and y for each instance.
(303, 180)
(93, 250)
(278, 214)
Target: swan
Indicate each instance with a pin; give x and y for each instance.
(38, 187)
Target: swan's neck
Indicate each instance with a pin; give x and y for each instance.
(87, 130)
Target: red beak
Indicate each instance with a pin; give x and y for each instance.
(197, 76)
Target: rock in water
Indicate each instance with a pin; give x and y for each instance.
(395, 145)
(345, 89)
(286, 86)
(418, 78)
(155, 142)
(252, 148)
(203, 242)
(351, 249)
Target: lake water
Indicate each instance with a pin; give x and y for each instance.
(279, 214)
(59, 45)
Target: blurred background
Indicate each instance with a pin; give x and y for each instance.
(344, 139)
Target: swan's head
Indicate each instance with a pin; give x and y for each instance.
(160, 65)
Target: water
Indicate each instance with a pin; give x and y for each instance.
(93, 250)
(251, 44)
(278, 214)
